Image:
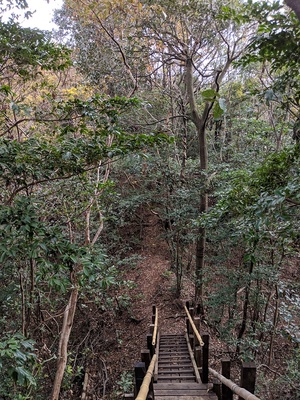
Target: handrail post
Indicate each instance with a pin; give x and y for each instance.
(149, 344)
(197, 347)
(197, 325)
(217, 388)
(139, 374)
(145, 357)
(226, 392)
(153, 313)
(188, 324)
(205, 354)
(248, 377)
(151, 329)
(242, 392)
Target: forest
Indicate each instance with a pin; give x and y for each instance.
(149, 154)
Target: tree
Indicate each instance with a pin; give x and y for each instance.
(173, 39)
(53, 142)
(295, 6)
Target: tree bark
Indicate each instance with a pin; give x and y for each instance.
(295, 6)
(199, 122)
(245, 308)
(63, 342)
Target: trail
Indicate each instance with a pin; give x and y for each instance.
(155, 281)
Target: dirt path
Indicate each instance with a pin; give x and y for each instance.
(155, 281)
(154, 284)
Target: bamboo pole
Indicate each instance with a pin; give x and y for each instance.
(155, 328)
(143, 392)
(197, 334)
(243, 393)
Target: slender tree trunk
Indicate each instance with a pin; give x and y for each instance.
(275, 322)
(23, 302)
(63, 342)
(199, 123)
(245, 308)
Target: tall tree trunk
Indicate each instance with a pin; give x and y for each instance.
(199, 122)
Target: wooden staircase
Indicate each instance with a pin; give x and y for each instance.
(177, 376)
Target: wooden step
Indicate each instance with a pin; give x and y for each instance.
(176, 377)
(179, 378)
(174, 355)
(182, 391)
(180, 386)
(188, 397)
(166, 366)
(187, 371)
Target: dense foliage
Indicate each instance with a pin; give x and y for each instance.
(190, 110)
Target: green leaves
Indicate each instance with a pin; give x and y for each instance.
(276, 42)
(209, 94)
(78, 146)
(30, 50)
(219, 108)
(17, 353)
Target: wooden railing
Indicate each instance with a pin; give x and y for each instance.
(147, 381)
(226, 393)
(199, 344)
(144, 371)
(222, 386)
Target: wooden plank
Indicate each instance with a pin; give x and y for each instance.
(182, 385)
(174, 354)
(185, 365)
(205, 355)
(204, 397)
(194, 392)
(139, 373)
(176, 378)
(183, 362)
(177, 375)
(248, 376)
(226, 392)
(172, 343)
(174, 349)
(145, 357)
(175, 358)
(175, 361)
(176, 371)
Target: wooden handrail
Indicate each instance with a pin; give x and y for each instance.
(155, 328)
(197, 334)
(144, 390)
(233, 386)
